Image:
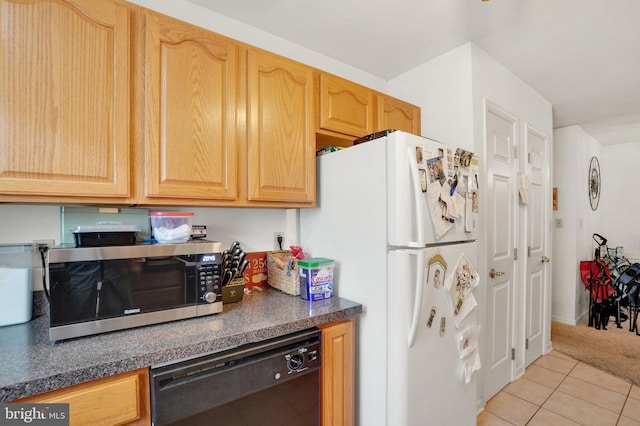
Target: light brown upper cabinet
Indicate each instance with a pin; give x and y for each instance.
(399, 115)
(105, 102)
(281, 141)
(64, 108)
(189, 90)
(345, 107)
(346, 111)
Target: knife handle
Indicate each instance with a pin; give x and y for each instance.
(243, 266)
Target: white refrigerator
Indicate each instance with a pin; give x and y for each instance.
(398, 214)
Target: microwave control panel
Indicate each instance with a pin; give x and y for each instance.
(209, 278)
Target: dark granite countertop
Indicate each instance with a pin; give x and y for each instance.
(31, 364)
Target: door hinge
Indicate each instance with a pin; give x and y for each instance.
(513, 354)
(515, 152)
(515, 253)
(528, 251)
(528, 158)
(526, 343)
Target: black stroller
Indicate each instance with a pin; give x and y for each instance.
(629, 282)
(625, 281)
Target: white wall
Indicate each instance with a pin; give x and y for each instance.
(442, 87)
(253, 228)
(620, 200)
(615, 219)
(573, 242)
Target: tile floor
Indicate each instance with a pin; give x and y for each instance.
(557, 390)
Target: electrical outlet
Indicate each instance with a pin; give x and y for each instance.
(278, 240)
(48, 243)
(37, 259)
(37, 262)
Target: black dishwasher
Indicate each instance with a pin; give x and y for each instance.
(274, 382)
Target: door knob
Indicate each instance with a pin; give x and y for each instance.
(493, 273)
(545, 259)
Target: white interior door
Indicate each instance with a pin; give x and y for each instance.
(537, 235)
(501, 141)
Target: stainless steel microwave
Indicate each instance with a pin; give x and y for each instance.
(94, 290)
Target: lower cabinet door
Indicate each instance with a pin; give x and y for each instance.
(337, 381)
(122, 399)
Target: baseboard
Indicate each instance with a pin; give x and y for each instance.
(568, 321)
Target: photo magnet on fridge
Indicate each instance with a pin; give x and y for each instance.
(437, 268)
(431, 317)
(460, 286)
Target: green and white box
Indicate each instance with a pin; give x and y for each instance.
(316, 278)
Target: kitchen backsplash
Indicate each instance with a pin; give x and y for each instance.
(254, 228)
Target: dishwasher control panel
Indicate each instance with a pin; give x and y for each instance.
(303, 358)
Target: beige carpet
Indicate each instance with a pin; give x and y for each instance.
(615, 350)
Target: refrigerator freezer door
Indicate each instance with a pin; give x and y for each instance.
(415, 195)
(425, 375)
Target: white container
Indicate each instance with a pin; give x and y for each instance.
(16, 292)
(171, 227)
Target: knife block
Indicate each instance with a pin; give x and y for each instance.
(233, 291)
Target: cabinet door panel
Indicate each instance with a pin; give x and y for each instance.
(338, 366)
(190, 94)
(398, 115)
(281, 147)
(122, 399)
(64, 109)
(346, 107)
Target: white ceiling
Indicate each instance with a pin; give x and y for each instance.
(581, 55)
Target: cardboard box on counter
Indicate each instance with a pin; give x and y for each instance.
(255, 275)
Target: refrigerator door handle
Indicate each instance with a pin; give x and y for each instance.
(417, 192)
(417, 302)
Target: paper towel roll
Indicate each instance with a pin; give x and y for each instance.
(15, 295)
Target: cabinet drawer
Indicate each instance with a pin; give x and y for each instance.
(117, 400)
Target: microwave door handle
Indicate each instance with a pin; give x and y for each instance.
(418, 199)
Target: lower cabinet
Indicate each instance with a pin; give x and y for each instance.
(122, 399)
(338, 368)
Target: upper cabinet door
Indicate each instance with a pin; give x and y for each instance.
(346, 107)
(64, 108)
(190, 84)
(281, 149)
(398, 115)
